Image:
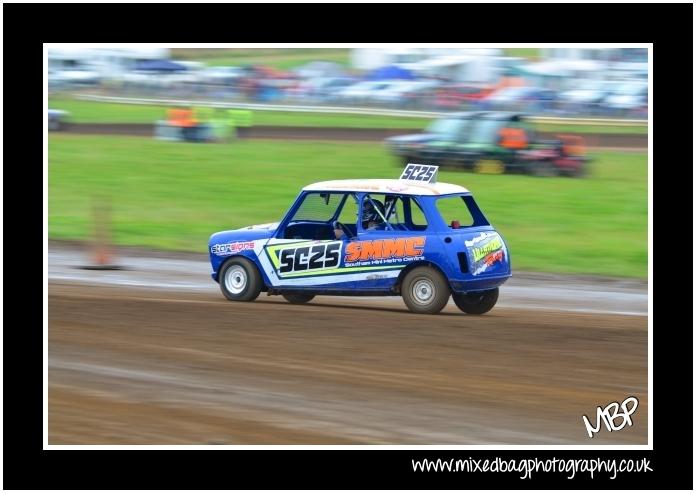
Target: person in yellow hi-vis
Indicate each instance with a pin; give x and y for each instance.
(204, 115)
(240, 121)
(221, 125)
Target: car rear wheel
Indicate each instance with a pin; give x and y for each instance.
(476, 303)
(425, 290)
(298, 298)
(489, 166)
(240, 280)
(580, 171)
(543, 168)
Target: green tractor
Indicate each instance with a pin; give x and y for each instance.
(493, 143)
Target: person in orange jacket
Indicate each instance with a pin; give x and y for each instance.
(183, 118)
(513, 138)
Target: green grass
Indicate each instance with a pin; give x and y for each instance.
(98, 112)
(174, 195)
(531, 53)
(280, 58)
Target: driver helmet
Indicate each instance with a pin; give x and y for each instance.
(369, 213)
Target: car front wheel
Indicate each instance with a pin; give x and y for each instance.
(476, 303)
(425, 290)
(240, 280)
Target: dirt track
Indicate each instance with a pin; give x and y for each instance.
(131, 366)
(620, 141)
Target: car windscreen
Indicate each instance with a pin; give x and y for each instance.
(448, 127)
(485, 131)
(318, 206)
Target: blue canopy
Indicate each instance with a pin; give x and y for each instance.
(159, 66)
(390, 72)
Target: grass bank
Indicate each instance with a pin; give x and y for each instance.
(174, 195)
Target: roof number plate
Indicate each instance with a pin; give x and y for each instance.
(419, 173)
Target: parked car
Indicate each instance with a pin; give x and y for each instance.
(405, 93)
(78, 76)
(629, 97)
(57, 119)
(533, 99)
(323, 88)
(458, 96)
(588, 95)
(413, 237)
(362, 91)
(221, 75)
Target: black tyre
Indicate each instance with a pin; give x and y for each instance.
(240, 280)
(580, 171)
(489, 166)
(425, 290)
(543, 168)
(476, 303)
(298, 298)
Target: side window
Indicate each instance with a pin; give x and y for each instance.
(418, 220)
(373, 212)
(349, 213)
(455, 212)
(394, 212)
(463, 134)
(402, 213)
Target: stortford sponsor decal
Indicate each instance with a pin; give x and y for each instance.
(231, 248)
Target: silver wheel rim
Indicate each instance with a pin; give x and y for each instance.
(423, 291)
(235, 279)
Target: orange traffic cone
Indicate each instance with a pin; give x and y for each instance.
(101, 251)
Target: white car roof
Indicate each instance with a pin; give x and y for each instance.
(386, 186)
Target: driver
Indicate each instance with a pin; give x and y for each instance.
(371, 219)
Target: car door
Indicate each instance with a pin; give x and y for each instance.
(304, 252)
(378, 254)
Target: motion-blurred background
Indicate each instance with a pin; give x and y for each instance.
(151, 150)
(172, 195)
(544, 81)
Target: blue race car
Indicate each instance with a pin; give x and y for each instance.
(412, 237)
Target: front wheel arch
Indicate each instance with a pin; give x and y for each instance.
(252, 276)
(238, 256)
